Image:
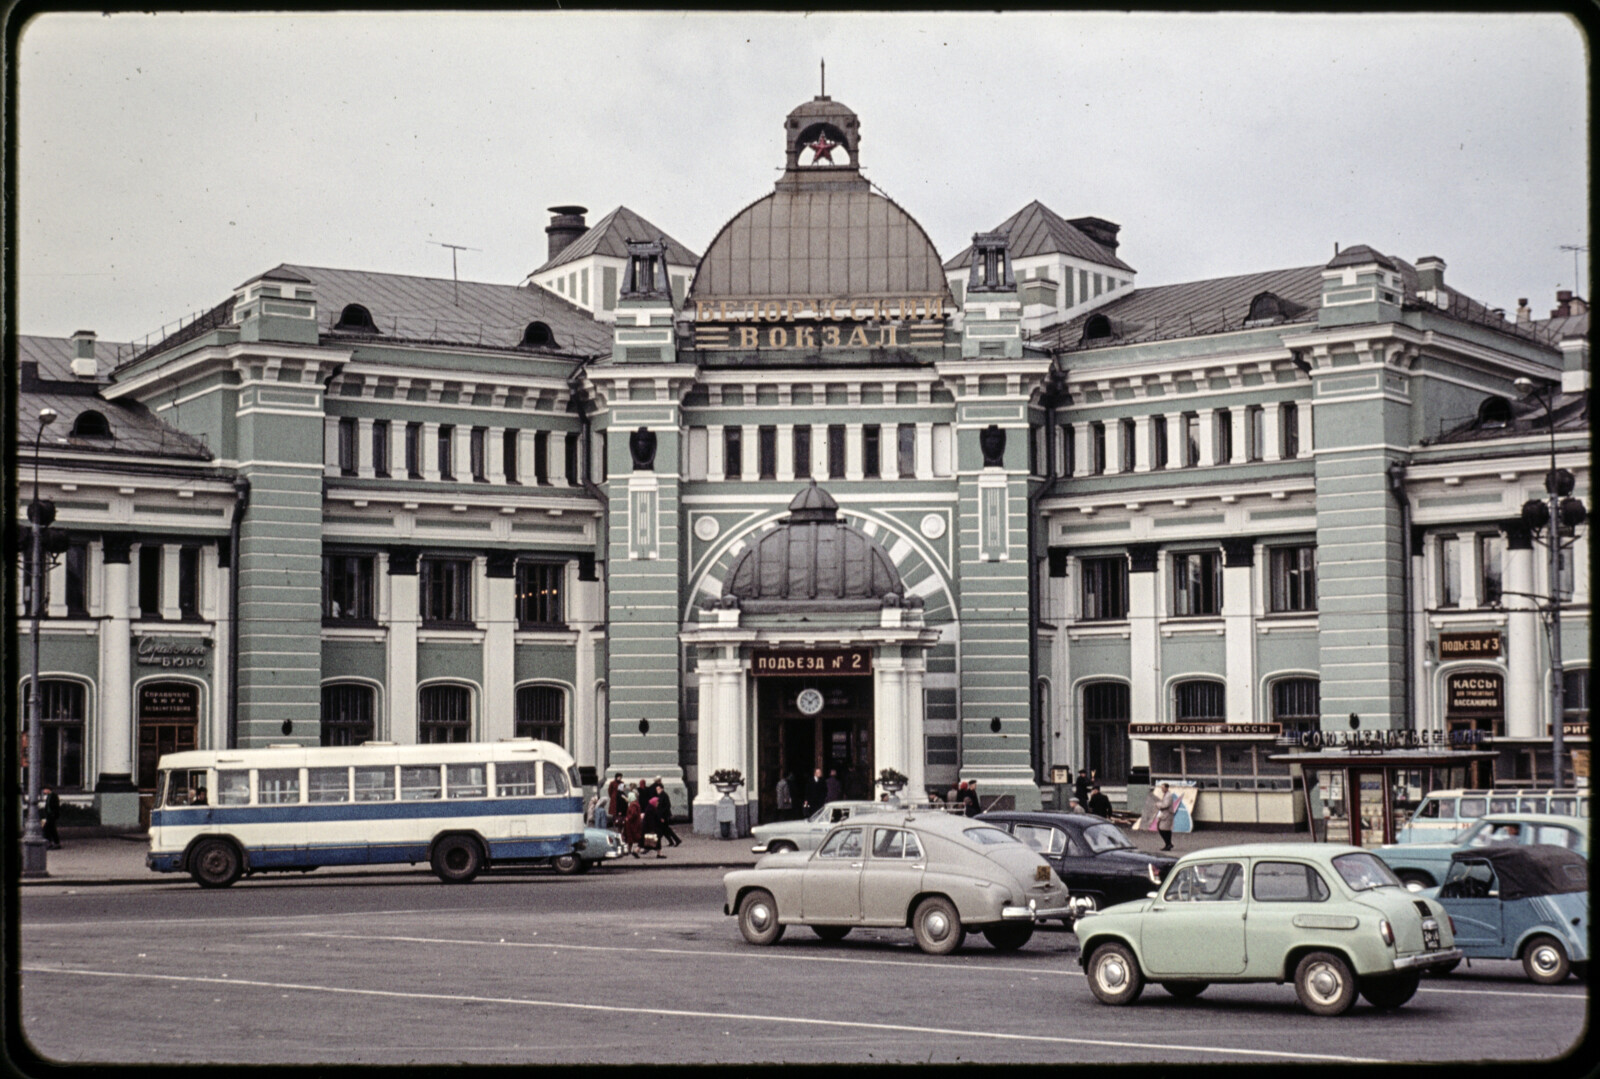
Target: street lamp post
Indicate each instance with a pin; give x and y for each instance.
(34, 846)
(1560, 512)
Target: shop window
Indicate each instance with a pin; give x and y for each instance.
(347, 588)
(767, 453)
(732, 453)
(1106, 713)
(63, 711)
(541, 713)
(539, 587)
(1449, 571)
(1297, 704)
(1196, 584)
(1294, 579)
(870, 450)
(1199, 700)
(446, 590)
(444, 714)
(836, 455)
(149, 580)
(380, 448)
(802, 451)
(1104, 588)
(347, 711)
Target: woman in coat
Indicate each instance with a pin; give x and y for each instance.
(633, 828)
(653, 825)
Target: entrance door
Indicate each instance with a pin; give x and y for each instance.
(169, 715)
(837, 737)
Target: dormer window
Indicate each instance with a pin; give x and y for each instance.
(356, 319)
(1494, 412)
(538, 335)
(91, 425)
(1097, 328)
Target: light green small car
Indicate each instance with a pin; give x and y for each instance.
(1333, 919)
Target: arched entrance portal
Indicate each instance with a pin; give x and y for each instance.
(813, 657)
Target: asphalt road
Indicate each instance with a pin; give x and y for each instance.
(622, 967)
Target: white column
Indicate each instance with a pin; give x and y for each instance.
(461, 454)
(1207, 436)
(1240, 416)
(924, 454)
(819, 452)
(1304, 413)
(1240, 634)
(583, 611)
(1145, 451)
(55, 584)
(749, 451)
(1144, 695)
(499, 658)
(218, 609)
(402, 679)
(916, 724)
(330, 445)
(1525, 688)
(1422, 697)
(705, 734)
(364, 448)
(785, 452)
(116, 686)
(1082, 465)
(494, 458)
(397, 449)
(716, 466)
(213, 580)
(1471, 571)
(1271, 438)
(889, 714)
(430, 451)
(525, 456)
(169, 582)
(852, 451)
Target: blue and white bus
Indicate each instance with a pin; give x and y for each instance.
(463, 806)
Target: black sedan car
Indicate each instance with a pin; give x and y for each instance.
(1098, 864)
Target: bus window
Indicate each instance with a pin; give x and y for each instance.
(515, 779)
(375, 784)
(1502, 805)
(327, 784)
(1532, 805)
(466, 780)
(419, 783)
(233, 787)
(1562, 807)
(1473, 808)
(555, 779)
(278, 786)
(161, 790)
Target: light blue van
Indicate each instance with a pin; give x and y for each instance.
(1443, 816)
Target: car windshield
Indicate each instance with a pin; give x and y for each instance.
(1363, 872)
(1104, 837)
(990, 836)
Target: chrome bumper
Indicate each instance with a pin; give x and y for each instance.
(759, 848)
(1034, 913)
(1429, 959)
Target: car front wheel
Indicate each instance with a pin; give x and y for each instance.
(1545, 961)
(1008, 936)
(937, 926)
(780, 846)
(1325, 984)
(758, 918)
(1114, 976)
(1391, 991)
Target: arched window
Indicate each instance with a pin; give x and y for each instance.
(1494, 412)
(538, 335)
(444, 714)
(1201, 701)
(91, 424)
(62, 714)
(1106, 712)
(347, 710)
(542, 713)
(1097, 328)
(1297, 704)
(357, 319)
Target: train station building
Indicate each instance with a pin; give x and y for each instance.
(816, 498)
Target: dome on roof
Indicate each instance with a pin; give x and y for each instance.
(813, 560)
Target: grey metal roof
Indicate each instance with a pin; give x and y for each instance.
(1037, 230)
(1194, 307)
(1360, 255)
(820, 242)
(1570, 412)
(607, 235)
(135, 431)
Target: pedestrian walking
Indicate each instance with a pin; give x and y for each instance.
(1083, 788)
(633, 829)
(1099, 804)
(1166, 810)
(835, 788)
(614, 807)
(652, 839)
(783, 798)
(52, 814)
(970, 797)
(664, 811)
(953, 795)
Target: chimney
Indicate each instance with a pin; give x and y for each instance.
(566, 225)
(1099, 230)
(1430, 273)
(1524, 312)
(1563, 303)
(84, 364)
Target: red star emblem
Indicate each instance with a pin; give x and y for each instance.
(822, 149)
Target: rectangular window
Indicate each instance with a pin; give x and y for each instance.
(1035, 431)
(802, 451)
(1289, 428)
(478, 449)
(77, 563)
(1224, 443)
(541, 458)
(539, 587)
(1449, 572)
(1097, 448)
(1490, 581)
(1158, 442)
(836, 451)
(508, 454)
(277, 786)
(767, 453)
(347, 588)
(347, 446)
(1130, 445)
(516, 779)
(380, 448)
(470, 780)
(447, 440)
(1294, 578)
(870, 450)
(906, 451)
(189, 582)
(446, 590)
(1255, 432)
(1069, 449)
(419, 783)
(325, 785)
(414, 450)
(732, 452)
(1196, 583)
(1191, 439)
(1201, 700)
(569, 458)
(1104, 588)
(149, 581)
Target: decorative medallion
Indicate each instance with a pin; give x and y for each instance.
(932, 525)
(706, 528)
(809, 702)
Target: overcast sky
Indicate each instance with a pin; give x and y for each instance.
(162, 160)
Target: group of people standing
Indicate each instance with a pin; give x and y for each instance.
(642, 814)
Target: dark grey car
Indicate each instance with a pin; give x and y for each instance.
(1098, 863)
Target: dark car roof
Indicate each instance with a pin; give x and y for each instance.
(1082, 820)
(1536, 869)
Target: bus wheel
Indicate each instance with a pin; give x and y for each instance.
(457, 859)
(214, 863)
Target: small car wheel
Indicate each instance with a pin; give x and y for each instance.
(1185, 990)
(1008, 936)
(1114, 976)
(780, 846)
(1415, 880)
(937, 926)
(1545, 961)
(831, 932)
(1325, 984)
(758, 918)
(1391, 991)
(569, 864)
